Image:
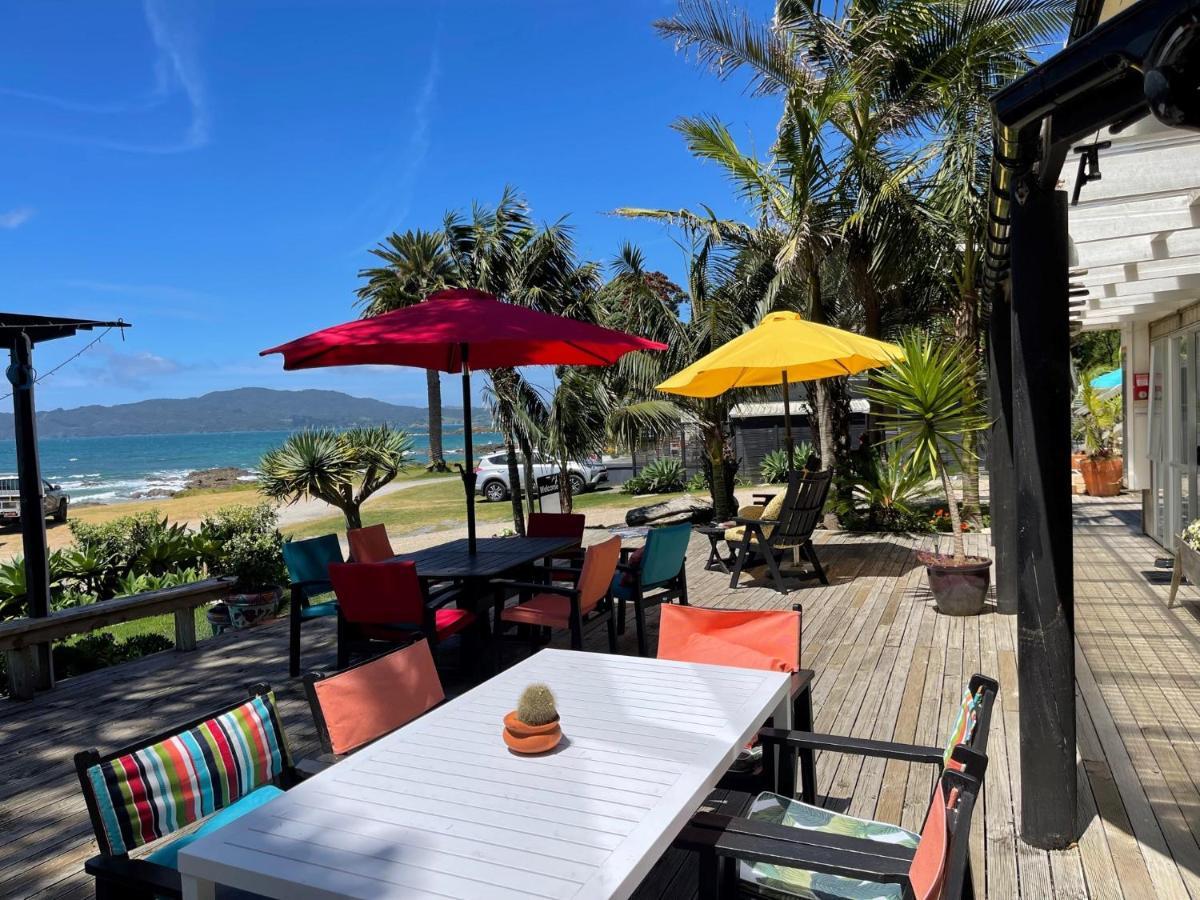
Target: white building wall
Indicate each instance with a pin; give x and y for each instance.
(1135, 351)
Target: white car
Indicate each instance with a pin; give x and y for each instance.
(492, 474)
(54, 500)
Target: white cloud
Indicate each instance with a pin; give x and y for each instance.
(136, 370)
(15, 218)
(176, 73)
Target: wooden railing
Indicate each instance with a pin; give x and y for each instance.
(20, 638)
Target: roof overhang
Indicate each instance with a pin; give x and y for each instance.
(46, 328)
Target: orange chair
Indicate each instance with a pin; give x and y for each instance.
(547, 606)
(370, 544)
(363, 703)
(749, 639)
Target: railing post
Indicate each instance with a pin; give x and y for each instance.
(1041, 442)
(185, 628)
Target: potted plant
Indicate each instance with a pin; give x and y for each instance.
(533, 726)
(931, 399)
(243, 542)
(1098, 418)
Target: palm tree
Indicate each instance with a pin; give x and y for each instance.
(343, 468)
(415, 265)
(502, 251)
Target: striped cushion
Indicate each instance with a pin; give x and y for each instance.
(152, 792)
(964, 727)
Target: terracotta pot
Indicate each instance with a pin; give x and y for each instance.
(958, 590)
(250, 609)
(1102, 477)
(530, 738)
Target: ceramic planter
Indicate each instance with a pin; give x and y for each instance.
(958, 590)
(250, 609)
(1102, 477)
(524, 738)
(1187, 565)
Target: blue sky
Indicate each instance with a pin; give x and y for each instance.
(215, 172)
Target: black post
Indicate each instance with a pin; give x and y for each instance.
(1001, 479)
(468, 470)
(29, 482)
(1041, 442)
(787, 424)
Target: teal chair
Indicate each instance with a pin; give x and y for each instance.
(657, 573)
(308, 568)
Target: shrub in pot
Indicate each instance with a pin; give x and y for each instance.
(932, 397)
(1099, 418)
(243, 541)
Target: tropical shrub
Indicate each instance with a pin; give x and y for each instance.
(1097, 419)
(662, 476)
(774, 466)
(886, 487)
(145, 542)
(697, 484)
(928, 397)
(343, 468)
(244, 541)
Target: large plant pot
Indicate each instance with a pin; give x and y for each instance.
(959, 590)
(1102, 477)
(250, 609)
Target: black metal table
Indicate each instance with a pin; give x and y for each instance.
(494, 557)
(717, 561)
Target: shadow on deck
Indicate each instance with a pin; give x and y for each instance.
(888, 666)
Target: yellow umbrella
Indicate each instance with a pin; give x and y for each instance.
(782, 348)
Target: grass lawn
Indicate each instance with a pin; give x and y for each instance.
(439, 506)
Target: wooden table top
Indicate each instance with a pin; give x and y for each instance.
(493, 558)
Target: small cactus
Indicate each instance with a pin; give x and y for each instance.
(536, 706)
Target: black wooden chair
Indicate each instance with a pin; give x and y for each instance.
(197, 779)
(754, 830)
(771, 538)
(763, 859)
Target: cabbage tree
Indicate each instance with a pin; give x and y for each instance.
(929, 400)
(342, 468)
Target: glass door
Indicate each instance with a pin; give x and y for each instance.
(1157, 451)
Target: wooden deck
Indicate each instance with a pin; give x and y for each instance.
(873, 636)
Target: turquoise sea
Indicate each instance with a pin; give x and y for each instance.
(112, 469)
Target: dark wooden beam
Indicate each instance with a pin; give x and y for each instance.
(29, 481)
(1001, 478)
(1041, 442)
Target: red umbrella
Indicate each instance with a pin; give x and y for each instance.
(454, 331)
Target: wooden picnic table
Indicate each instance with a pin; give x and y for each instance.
(441, 807)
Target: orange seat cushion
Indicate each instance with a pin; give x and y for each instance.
(752, 639)
(377, 697)
(549, 610)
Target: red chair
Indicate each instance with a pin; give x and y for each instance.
(388, 602)
(548, 606)
(563, 525)
(374, 698)
(370, 544)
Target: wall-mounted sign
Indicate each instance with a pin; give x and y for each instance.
(1141, 385)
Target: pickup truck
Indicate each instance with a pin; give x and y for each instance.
(54, 501)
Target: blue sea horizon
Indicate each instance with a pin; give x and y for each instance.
(116, 468)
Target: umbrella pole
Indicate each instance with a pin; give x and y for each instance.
(468, 471)
(787, 425)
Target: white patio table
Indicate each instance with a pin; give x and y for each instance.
(441, 808)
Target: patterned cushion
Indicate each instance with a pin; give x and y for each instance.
(770, 880)
(152, 792)
(964, 726)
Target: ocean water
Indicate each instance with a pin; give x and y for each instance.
(113, 469)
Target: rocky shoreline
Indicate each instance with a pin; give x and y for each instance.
(218, 479)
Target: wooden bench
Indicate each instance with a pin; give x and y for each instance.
(19, 639)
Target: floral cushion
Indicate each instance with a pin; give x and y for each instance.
(768, 880)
